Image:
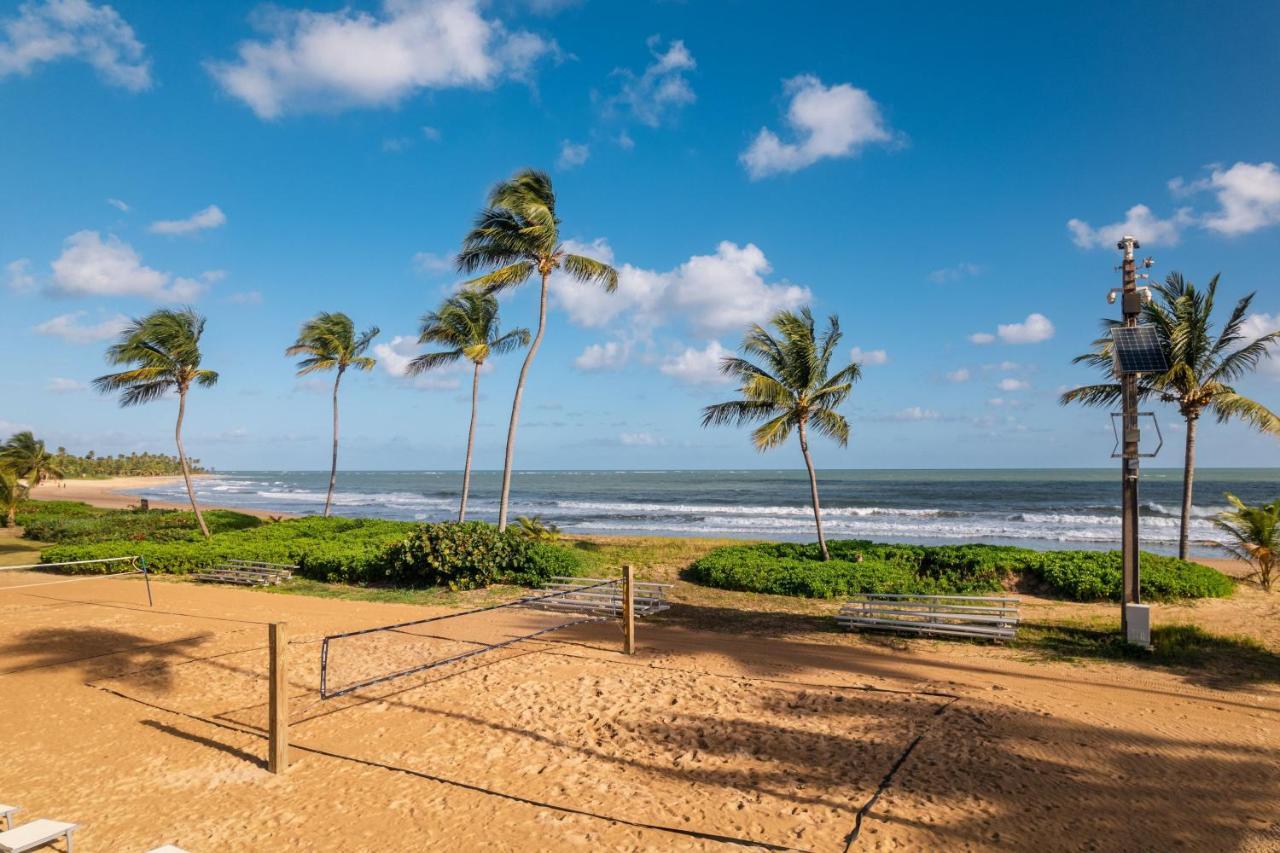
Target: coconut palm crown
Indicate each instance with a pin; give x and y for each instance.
(516, 237)
(329, 342)
(164, 351)
(467, 324)
(791, 388)
(1253, 535)
(28, 459)
(1202, 366)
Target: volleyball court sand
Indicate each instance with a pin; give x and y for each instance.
(145, 726)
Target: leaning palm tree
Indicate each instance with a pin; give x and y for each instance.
(468, 324)
(516, 236)
(11, 491)
(329, 342)
(1253, 536)
(26, 456)
(164, 351)
(794, 389)
(1201, 367)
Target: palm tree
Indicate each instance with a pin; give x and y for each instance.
(1254, 533)
(11, 491)
(1201, 366)
(793, 390)
(329, 342)
(468, 324)
(518, 235)
(164, 351)
(27, 458)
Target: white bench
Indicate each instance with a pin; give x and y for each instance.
(648, 597)
(993, 617)
(7, 812)
(38, 833)
(247, 573)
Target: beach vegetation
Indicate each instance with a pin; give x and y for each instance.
(868, 567)
(90, 466)
(12, 490)
(1203, 364)
(329, 342)
(467, 326)
(1252, 534)
(789, 387)
(74, 522)
(514, 238)
(163, 352)
(533, 527)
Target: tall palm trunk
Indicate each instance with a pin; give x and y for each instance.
(182, 460)
(504, 499)
(471, 441)
(1188, 483)
(813, 491)
(333, 466)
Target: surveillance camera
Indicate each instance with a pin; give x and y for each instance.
(1111, 298)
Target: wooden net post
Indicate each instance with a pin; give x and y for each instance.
(278, 707)
(629, 608)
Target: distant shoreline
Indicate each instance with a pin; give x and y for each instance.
(123, 493)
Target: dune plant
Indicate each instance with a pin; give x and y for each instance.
(793, 390)
(329, 342)
(516, 237)
(467, 324)
(1201, 367)
(1252, 535)
(163, 349)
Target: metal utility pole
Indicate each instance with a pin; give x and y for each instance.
(1131, 307)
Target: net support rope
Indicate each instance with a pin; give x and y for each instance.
(326, 693)
(139, 562)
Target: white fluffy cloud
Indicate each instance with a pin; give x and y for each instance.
(958, 272)
(713, 294)
(1139, 221)
(606, 356)
(18, 276)
(1033, 330)
(202, 220)
(657, 93)
(572, 155)
(698, 366)
(916, 413)
(960, 375)
(827, 121)
(308, 61)
(91, 266)
(1248, 195)
(1011, 384)
(1257, 325)
(873, 356)
(640, 439)
(53, 30)
(395, 355)
(62, 385)
(118, 205)
(69, 328)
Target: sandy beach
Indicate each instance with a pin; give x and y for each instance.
(121, 493)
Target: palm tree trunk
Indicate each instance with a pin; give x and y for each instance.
(504, 498)
(813, 492)
(333, 466)
(182, 460)
(1188, 483)
(471, 441)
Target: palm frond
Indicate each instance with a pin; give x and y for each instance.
(589, 270)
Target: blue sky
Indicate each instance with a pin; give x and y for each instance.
(929, 174)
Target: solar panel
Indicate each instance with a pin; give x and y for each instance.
(1136, 349)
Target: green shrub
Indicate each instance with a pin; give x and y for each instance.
(859, 567)
(350, 550)
(72, 522)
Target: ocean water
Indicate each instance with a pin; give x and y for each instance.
(1051, 508)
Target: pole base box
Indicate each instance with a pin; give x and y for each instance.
(1137, 618)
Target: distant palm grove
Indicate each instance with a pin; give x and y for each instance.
(90, 465)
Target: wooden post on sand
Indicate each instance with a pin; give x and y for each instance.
(278, 708)
(629, 608)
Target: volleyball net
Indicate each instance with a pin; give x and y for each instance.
(355, 660)
(32, 578)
